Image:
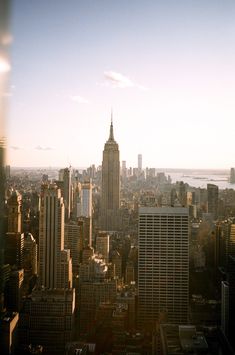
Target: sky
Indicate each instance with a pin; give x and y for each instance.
(165, 68)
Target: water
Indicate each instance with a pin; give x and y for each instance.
(202, 178)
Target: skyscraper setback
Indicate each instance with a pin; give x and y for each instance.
(110, 200)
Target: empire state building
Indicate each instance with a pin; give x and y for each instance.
(110, 199)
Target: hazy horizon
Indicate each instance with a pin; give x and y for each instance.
(159, 169)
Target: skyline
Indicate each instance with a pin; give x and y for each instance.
(166, 69)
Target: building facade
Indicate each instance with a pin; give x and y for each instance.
(110, 199)
(102, 245)
(52, 258)
(66, 188)
(47, 319)
(212, 200)
(163, 275)
(85, 208)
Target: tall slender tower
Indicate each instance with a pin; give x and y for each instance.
(85, 207)
(212, 199)
(66, 190)
(110, 184)
(14, 212)
(139, 162)
(55, 265)
(85, 211)
(14, 240)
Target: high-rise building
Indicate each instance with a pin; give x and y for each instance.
(14, 204)
(66, 189)
(29, 254)
(232, 176)
(85, 209)
(110, 200)
(95, 286)
(14, 241)
(4, 277)
(86, 231)
(47, 318)
(212, 200)
(102, 245)
(73, 242)
(52, 257)
(8, 332)
(117, 262)
(13, 290)
(182, 196)
(163, 275)
(224, 307)
(139, 162)
(14, 244)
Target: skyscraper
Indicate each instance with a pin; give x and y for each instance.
(73, 242)
(110, 200)
(213, 199)
(163, 264)
(102, 245)
(14, 212)
(86, 200)
(84, 209)
(47, 318)
(232, 176)
(66, 189)
(55, 268)
(139, 162)
(14, 240)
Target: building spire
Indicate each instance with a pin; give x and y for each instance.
(111, 136)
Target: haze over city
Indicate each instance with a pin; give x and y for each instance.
(166, 68)
(117, 194)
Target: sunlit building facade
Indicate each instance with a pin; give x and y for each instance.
(53, 259)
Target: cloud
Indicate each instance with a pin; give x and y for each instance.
(118, 80)
(15, 147)
(39, 147)
(79, 99)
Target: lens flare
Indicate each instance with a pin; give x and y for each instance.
(4, 65)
